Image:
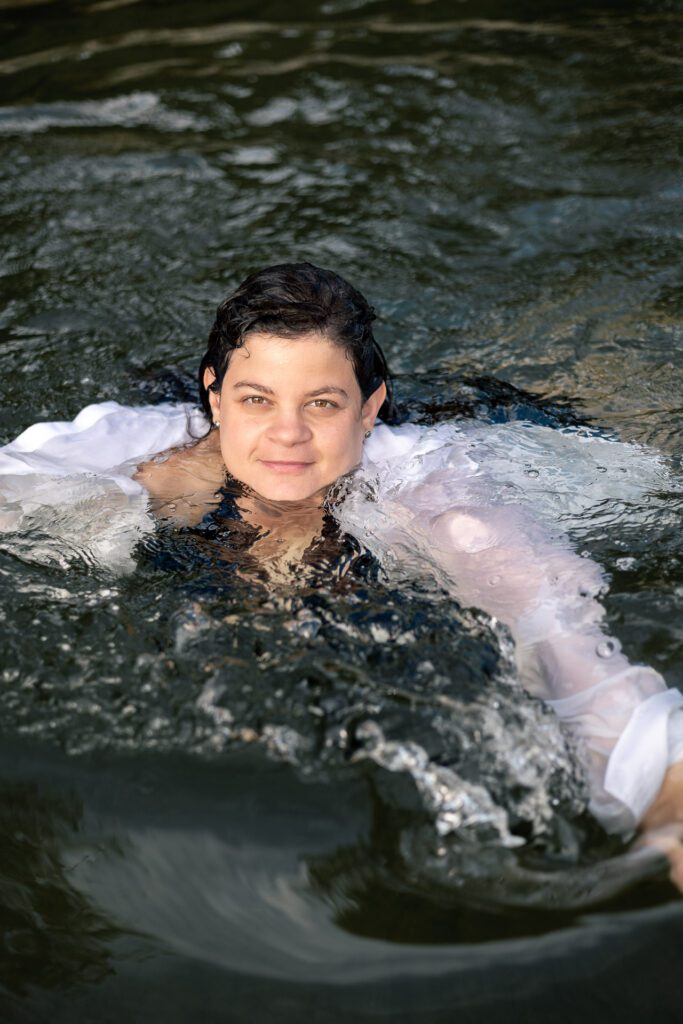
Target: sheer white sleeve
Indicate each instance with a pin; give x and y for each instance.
(83, 468)
(628, 723)
(498, 557)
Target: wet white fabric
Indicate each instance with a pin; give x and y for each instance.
(573, 478)
(460, 490)
(107, 439)
(457, 497)
(636, 766)
(83, 469)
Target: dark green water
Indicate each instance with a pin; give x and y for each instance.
(188, 826)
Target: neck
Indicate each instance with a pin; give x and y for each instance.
(286, 529)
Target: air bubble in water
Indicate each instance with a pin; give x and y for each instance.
(606, 648)
(494, 581)
(310, 629)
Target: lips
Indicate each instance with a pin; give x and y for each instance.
(279, 466)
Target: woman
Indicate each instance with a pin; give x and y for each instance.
(293, 382)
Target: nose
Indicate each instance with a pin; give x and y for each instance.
(289, 428)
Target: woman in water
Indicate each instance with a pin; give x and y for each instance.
(296, 388)
(294, 383)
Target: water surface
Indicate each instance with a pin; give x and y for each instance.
(196, 809)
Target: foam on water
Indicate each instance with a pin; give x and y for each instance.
(132, 110)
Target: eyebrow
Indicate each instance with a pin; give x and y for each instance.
(327, 391)
(256, 387)
(309, 394)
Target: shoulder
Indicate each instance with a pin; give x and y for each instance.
(408, 440)
(184, 477)
(466, 530)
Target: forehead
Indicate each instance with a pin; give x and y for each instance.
(303, 359)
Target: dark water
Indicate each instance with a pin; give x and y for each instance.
(199, 815)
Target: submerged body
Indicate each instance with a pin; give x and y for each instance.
(424, 498)
(293, 383)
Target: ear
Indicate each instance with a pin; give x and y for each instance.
(214, 396)
(372, 406)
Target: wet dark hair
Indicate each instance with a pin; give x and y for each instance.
(291, 299)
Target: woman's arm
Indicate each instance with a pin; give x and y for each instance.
(627, 722)
(667, 808)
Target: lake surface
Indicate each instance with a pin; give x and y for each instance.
(196, 821)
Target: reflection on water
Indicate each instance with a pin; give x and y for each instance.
(371, 684)
(200, 877)
(52, 936)
(509, 202)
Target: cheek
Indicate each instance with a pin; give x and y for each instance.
(235, 440)
(345, 443)
(238, 431)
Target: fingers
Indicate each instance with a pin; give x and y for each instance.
(668, 839)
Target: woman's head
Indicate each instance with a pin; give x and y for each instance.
(287, 301)
(294, 378)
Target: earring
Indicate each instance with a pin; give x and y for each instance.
(367, 434)
(216, 423)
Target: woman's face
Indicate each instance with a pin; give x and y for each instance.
(291, 414)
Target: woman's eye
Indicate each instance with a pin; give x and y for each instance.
(254, 400)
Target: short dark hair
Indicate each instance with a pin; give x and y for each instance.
(291, 299)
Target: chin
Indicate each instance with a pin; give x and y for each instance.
(282, 488)
(289, 492)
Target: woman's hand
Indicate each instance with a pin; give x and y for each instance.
(668, 839)
(662, 825)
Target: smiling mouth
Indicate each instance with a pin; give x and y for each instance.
(285, 467)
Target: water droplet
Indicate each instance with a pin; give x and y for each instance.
(531, 472)
(606, 648)
(369, 732)
(494, 581)
(379, 634)
(309, 630)
(625, 564)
